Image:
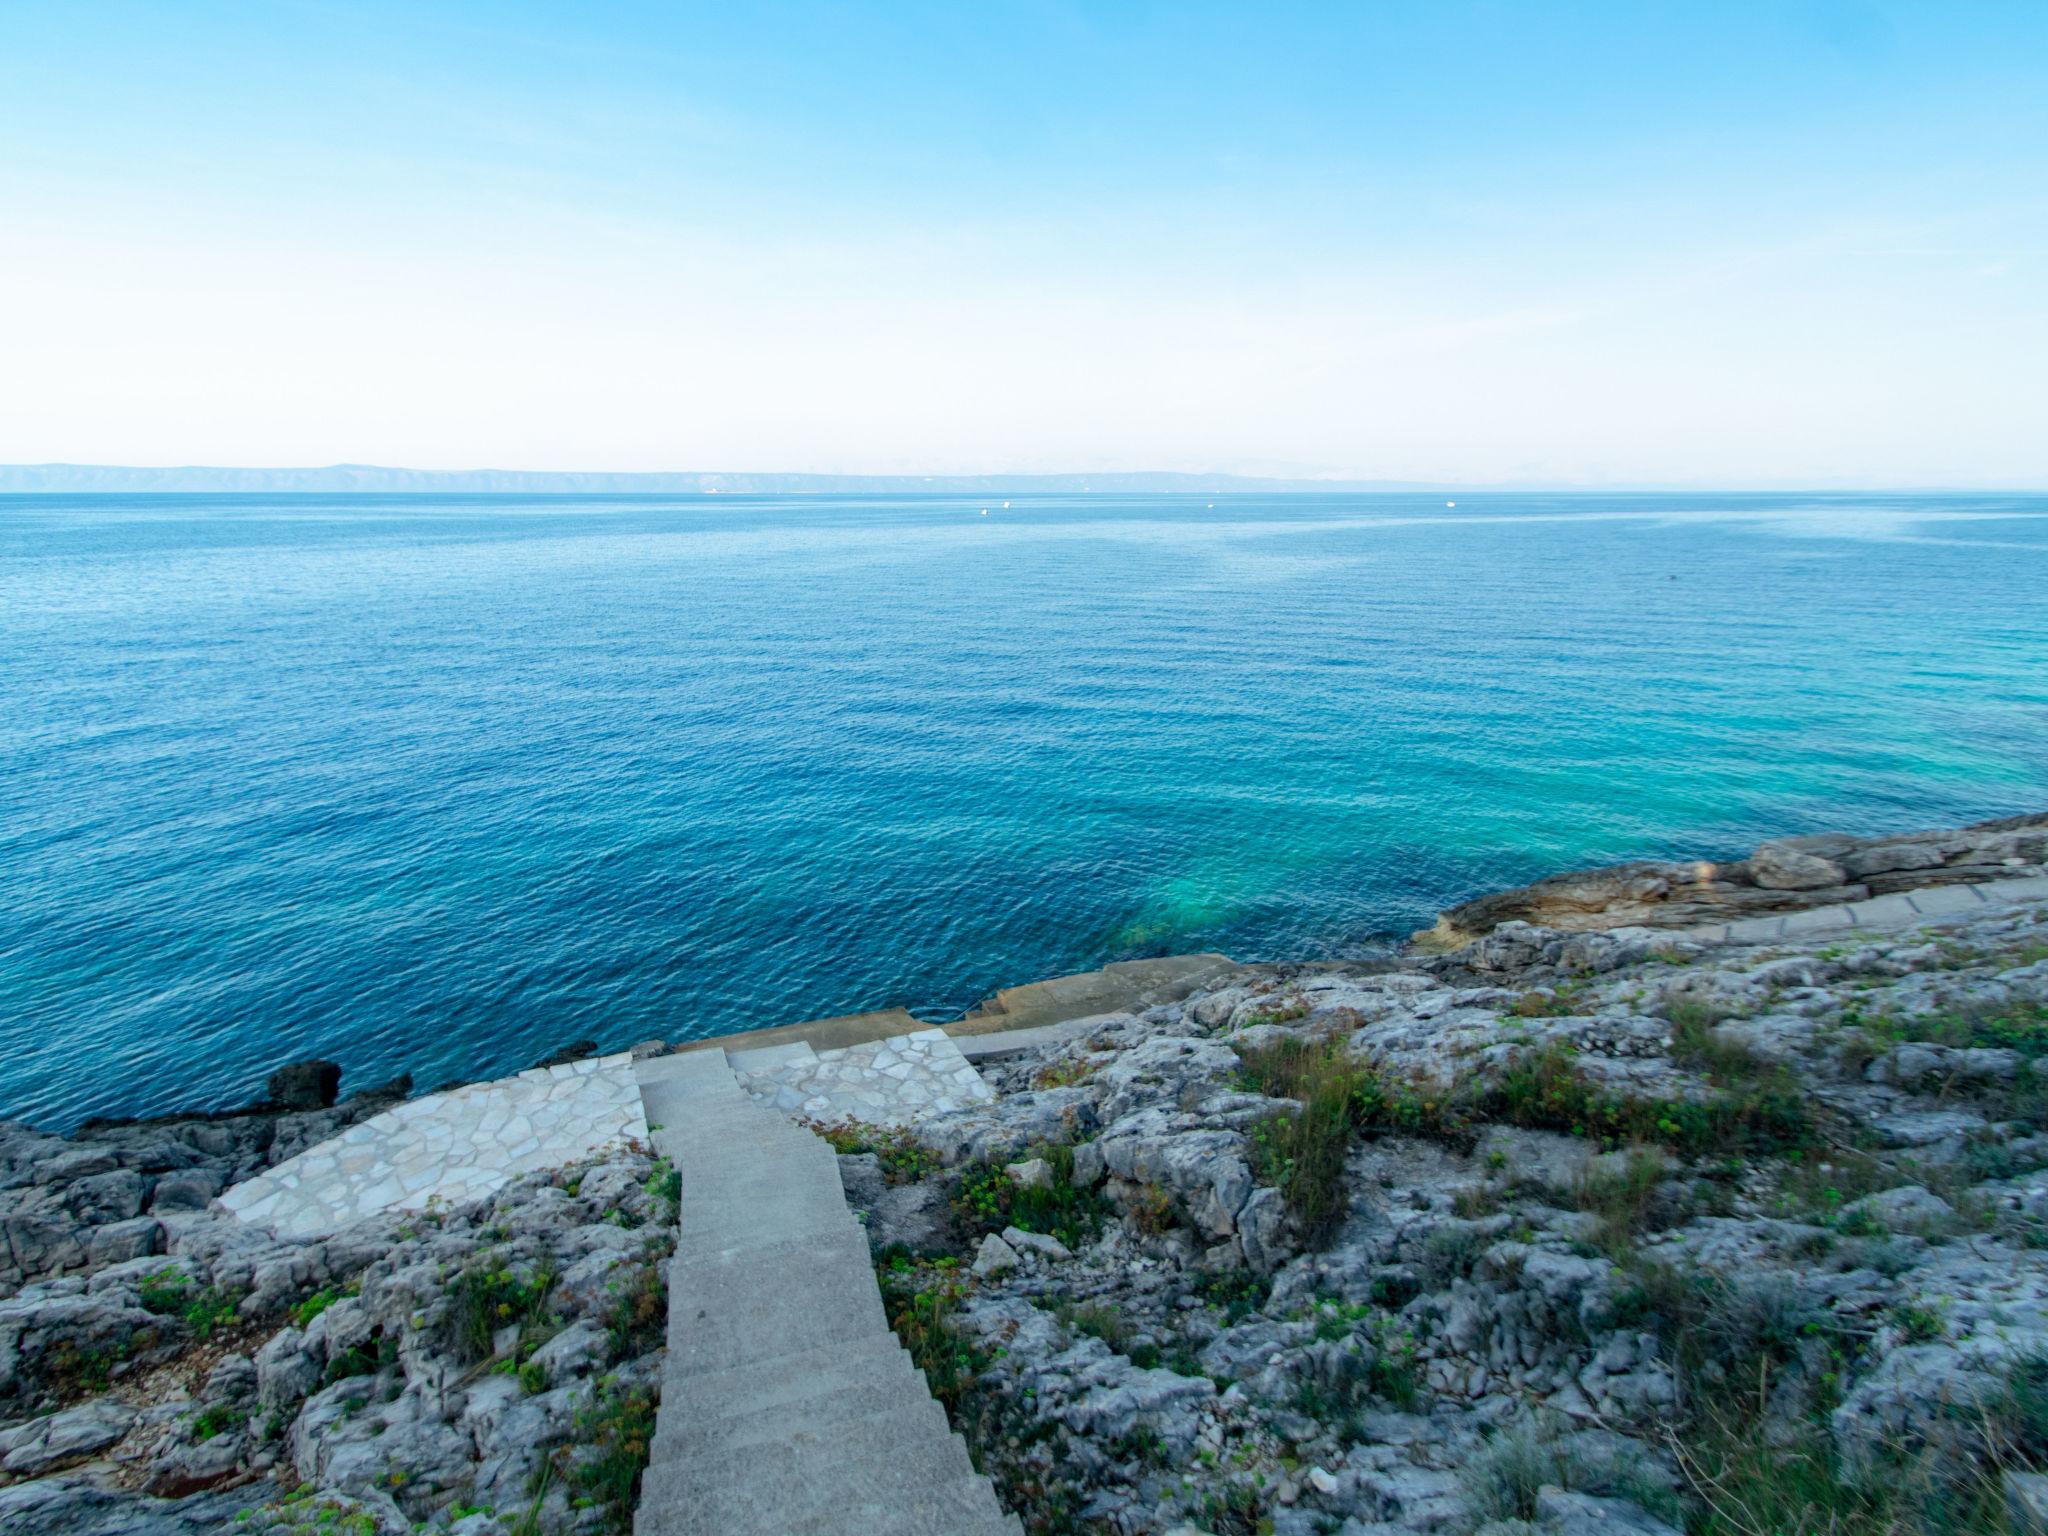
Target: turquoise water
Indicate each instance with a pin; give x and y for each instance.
(443, 783)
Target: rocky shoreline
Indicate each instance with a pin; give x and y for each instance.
(1571, 1221)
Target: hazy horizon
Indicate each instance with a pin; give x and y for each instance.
(354, 477)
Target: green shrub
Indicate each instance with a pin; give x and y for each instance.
(1236, 1293)
(488, 1296)
(615, 1433)
(1302, 1153)
(1622, 1200)
(637, 1319)
(921, 1301)
(986, 1199)
(218, 1419)
(1098, 1320)
(205, 1310)
(904, 1159)
(665, 1187)
(1544, 1089)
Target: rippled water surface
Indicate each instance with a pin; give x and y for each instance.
(443, 783)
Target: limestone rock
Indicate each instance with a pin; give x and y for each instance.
(1782, 866)
(995, 1257)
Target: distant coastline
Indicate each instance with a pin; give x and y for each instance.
(206, 479)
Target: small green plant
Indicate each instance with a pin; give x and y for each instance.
(1064, 1074)
(1302, 1152)
(217, 1419)
(615, 1433)
(987, 1199)
(1559, 1002)
(921, 1300)
(1544, 1089)
(904, 1159)
(1621, 1199)
(637, 1317)
(1098, 1320)
(1236, 1293)
(489, 1296)
(205, 1310)
(665, 1187)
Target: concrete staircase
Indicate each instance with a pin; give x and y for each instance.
(787, 1407)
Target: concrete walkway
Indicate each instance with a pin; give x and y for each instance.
(1880, 914)
(787, 1407)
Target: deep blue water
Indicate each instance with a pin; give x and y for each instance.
(442, 783)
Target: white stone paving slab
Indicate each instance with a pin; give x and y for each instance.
(883, 1082)
(447, 1147)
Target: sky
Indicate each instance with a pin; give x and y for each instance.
(1800, 243)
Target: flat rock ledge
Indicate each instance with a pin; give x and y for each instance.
(1783, 876)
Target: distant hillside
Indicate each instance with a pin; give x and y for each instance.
(374, 477)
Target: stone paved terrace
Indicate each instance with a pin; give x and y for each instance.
(459, 1145)
(883, 1082)
(1880, 914)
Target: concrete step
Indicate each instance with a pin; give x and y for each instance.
(771, 1058)
(822, 1443)
(966, 1508)
(893, 1460)
(827, 1399)
(772, 1263)
(724, 1215)
(801, 1317)
(762, 1382)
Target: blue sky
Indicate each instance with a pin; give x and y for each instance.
(1785, 244)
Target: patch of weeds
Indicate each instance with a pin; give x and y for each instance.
(205, 1310)
(1919, 1323)
(1236, 1293)
(218, 1419)
(922, 1300)
(87, 1372)
(1141, 1443)
(1302, 1154)
(1559, 1002)
(1284, 1012)
(1151, 1211)
(1545, 1090)
(1449, 1253)
(1098, 1320)
(1064, 1074)
(1236, 1509)
(637, 1319)
(1395, 1373)
(1747, 1477)
(1476, 1200)
(986, 1199)
(304, 1313)
(367, 1359)
(1502, 1481)
(614, 1433)
(1340, 1319)
(488, 1296)
(1621, 1200)
(665, 1186)
(904, 1159)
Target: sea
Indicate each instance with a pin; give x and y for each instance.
(440, 784)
